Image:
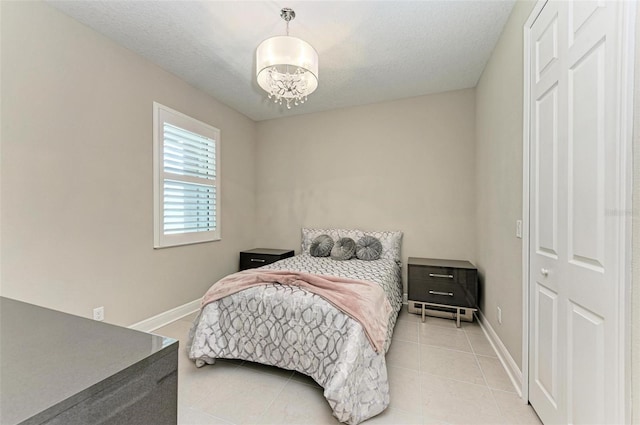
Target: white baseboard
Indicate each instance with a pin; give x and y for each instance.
(163, 319)
(510, 366)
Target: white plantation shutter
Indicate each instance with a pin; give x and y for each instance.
(188, 207)
(187, 181)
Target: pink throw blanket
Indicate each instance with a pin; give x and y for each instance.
(363, 301)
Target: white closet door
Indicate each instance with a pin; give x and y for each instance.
(575, 279)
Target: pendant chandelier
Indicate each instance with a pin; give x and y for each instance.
(287, 67)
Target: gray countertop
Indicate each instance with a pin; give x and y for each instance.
(50, 361)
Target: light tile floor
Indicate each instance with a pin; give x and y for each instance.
(438, 374)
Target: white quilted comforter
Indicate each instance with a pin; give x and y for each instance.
(291, 328)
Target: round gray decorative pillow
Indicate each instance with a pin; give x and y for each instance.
(368, 248)
(321, 246)
(344, 249)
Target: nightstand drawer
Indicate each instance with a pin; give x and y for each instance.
(439, 293)
(262, 256)
(425, 274)
(255, 260)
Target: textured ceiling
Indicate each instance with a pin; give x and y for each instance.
(370, 51)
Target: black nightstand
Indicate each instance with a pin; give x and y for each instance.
(262, 256)
(443, 288)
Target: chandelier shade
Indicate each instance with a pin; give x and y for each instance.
(287, 68)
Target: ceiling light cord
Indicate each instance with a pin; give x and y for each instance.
(288, 15)
(287, 67)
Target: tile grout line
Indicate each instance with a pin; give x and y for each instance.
(200, 411)
(422, 406)
(266, 409)
(475, 359)
(447, 378)
(493, 397)
(450, 349)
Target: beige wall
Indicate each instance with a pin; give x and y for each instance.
(499, 182)
(77, 228)
(405, 165)
(0, 150)
(635, 313)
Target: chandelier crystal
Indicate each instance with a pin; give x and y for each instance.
(287, 67)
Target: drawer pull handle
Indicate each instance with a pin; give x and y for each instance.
(448, 276)
(441, 293)
(258, 260)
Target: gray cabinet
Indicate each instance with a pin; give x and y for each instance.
(62, 369)
(444, 288)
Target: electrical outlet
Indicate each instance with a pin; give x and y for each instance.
(519, 229)
(499, 315)
(98, 314)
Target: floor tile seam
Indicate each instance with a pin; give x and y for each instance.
(442, 329)
(226, 421)
(434, 335)
(405, 368)
(502, 412)
(455, 380)
(470, 344)
(452, 327)
(493, 397)
(458, 380)
(490, 357)
(268, 407)
(401, 319)
(446, 348)
(495, 356)
(499, 390)
(470, 335)
(504, 391)
(397, 337)
(486, 355)
(408, 412)
(478, 333)
(501, 368)
(484, 376)
(406, 340)
(486, 341)
(200, 398)
(473, 329)
(422, 408)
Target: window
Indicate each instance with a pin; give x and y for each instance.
(186, 179)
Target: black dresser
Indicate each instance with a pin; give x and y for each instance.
(262, 256)
(443, 288)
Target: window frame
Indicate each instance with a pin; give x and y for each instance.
(163, 114)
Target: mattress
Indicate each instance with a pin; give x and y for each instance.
(293, 329)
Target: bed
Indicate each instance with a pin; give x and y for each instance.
(293, 328)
